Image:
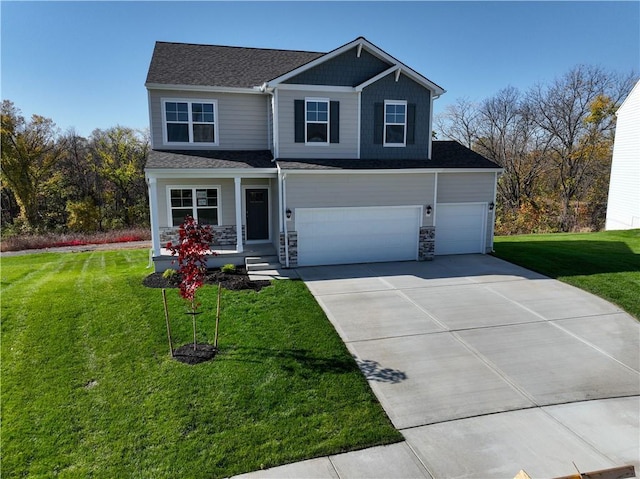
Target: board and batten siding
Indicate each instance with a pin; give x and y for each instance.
(242, 119)
(623, 206)
(351, 190)
(348, 146)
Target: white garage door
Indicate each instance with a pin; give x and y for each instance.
(357, 235)
(460, 228)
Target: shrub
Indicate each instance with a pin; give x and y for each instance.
(228, 268)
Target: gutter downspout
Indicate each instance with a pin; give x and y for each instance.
(286, 233)
(282, 222)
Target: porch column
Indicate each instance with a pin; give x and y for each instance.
(238, 214)
(153, 209)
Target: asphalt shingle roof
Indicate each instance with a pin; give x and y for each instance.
(221, 66)
(177, 159)
(445, 154)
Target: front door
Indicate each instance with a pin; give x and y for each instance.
(257, 205)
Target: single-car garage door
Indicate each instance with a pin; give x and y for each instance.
(460, 228)
(357, 235)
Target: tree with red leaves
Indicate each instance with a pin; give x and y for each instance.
(192, 251)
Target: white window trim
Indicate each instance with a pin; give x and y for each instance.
(328, 122)
(384, 132)
(189, 102)
(194, 208)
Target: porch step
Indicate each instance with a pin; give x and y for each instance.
(261, 263)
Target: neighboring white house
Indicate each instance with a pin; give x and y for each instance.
(623, 208)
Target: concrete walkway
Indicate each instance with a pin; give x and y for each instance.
(485, 367)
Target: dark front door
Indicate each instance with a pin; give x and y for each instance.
(257, 204)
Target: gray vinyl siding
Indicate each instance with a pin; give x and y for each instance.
(388, 89)
(348, 146)
(465, 187)
(351, 190)
(242, 120)
(347, 69)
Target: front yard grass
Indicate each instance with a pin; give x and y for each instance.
(606, 263)
(89, 388)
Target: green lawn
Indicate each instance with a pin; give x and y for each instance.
(89, 388)
(606, 263)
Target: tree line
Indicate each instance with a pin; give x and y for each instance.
(555, 143)
(53, 181)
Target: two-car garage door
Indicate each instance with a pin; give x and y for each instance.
(357, 235)
(385, 233)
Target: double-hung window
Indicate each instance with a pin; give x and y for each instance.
(395, 123)
(317, 120)
(191, 121)
(200, 202)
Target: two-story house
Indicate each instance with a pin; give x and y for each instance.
(327, 156)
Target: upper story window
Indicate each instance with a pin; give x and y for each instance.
(395, 123)
(317, 120)
(191, 121)
(201, 203)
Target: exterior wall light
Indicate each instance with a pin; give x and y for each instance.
(288, 214)
(492, 205)
(429, 210)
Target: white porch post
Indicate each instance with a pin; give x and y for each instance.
(153, 208)
(238, 214)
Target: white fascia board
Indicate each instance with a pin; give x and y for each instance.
(374, 50)
(391, 171)
(328, 88)
(203, 88)
(313, 63)
(171, 173)
(379, 76)
(631, 93)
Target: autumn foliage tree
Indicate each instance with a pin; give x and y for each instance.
(555, 143)
(192, 250)
(30, 152)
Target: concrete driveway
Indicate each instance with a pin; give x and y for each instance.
(486, 368)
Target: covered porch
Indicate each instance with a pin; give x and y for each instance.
(236, 193)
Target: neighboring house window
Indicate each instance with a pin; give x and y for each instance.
(191, 121)
(317, 121)
(201, 203)
(394, 123)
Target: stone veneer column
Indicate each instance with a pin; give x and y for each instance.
(426, 243)
(293, 249)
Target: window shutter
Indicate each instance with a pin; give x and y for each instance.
(411, 124)
(334, 117)
(298, 120)
(378, 123)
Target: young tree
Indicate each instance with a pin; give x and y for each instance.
(192, 250)
(30, 151)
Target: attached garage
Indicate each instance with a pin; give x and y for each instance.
(357, 234)
(460, 228)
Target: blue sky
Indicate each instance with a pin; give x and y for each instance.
(83, 64)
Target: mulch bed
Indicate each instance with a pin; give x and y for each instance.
(233, 281)
(186, 354)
